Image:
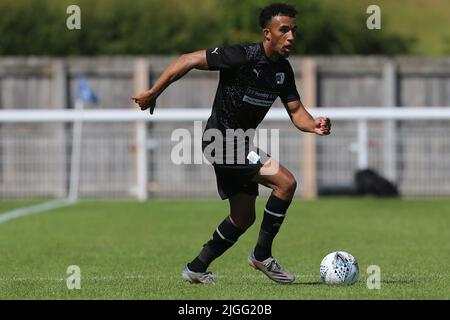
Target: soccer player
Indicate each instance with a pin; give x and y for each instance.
(251, 78)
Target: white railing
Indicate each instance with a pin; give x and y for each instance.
(190, 114)
(361, 115)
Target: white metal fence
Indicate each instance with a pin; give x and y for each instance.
(127, 153)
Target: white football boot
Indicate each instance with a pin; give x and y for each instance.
(197, 277)
(271, 268)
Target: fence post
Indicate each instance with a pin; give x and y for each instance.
(309, 99)
(363, 153)
(59, 100)
(141, 82)
(389, 126)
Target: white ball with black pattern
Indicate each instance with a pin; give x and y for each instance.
(339, 268)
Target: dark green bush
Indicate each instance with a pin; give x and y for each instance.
(124, 27)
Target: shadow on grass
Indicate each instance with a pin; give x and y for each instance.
(315, 283)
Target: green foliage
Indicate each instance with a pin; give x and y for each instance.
(176, 26)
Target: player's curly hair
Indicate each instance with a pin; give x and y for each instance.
(273, 10)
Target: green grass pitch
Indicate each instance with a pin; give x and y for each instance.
(130, 250)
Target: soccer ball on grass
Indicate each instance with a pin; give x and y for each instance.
(339, 268)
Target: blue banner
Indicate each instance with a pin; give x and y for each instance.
(85, 92)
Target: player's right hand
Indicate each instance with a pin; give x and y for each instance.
(145, 100)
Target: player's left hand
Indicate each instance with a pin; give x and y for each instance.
(323, 126)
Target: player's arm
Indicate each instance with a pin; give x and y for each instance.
(303, 120)
(181, 66)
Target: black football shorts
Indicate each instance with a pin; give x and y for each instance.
(236, 178)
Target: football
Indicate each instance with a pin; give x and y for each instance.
(339, 268)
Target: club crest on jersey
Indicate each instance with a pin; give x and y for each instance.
(279, 77)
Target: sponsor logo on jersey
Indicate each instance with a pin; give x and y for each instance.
(260, 98)
(279, 77)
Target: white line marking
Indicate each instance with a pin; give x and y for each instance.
(22, 212)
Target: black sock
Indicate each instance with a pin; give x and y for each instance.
(274, 214)
(223, 238)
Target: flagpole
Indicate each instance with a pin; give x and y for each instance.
(75, 162)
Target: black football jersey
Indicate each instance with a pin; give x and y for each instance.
(249, 84)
